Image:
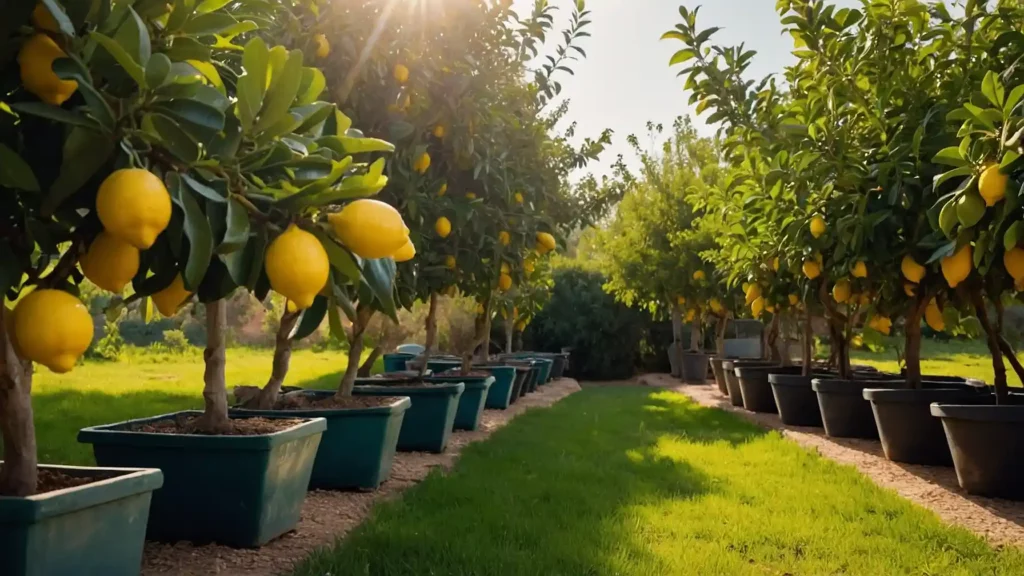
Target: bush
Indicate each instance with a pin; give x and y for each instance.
(175, 341)
(110, 346)
(604, 335)
(137, 332)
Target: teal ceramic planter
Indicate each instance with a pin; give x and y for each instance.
(96, 528)
(546, 364)
(442, 364)
(500, 395)
(471, 403)
(241, 491)
(358, 447)
(396, 362)
(428, 422)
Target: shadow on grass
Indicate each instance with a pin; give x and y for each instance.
(556, 492)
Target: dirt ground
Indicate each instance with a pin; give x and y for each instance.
(1001, 522)
(329, 515)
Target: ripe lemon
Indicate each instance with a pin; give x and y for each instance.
(521, 325)
(168, 300)
(770, 308)
(912, 270)
(405, 253)
(881, 324)
(957, 268)
(841, 291)
(35, 61)
(775, 263)
(859, 270)
(504, 282)
(134, 205)
(443, 189)
(812, 269)
(1013, 260)
(443, 227)
(545, 242)
(439, 131)
(698, 275)
(518, 197)
(757, 306)
(505, 269)
(818, 227)
(297, 266)
(323, 47)
(992, 185)
(690, 315)
(52, 328)
(43, 20)
(681, 300)
(528, 266)
(470, 196)
(370, 228)
(421, 163)
(933, 316)
(716, 306)
(110, 262)
(753, 293)
(504, 238)
(449, 262)
(401, 73)
(794, 299)
(910, 289)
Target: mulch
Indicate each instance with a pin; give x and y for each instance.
(186, 424)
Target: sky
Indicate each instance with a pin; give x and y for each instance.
(625, 79)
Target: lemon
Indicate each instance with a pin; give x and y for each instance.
(992, 184)
(297, 266)
(1013, 260)
(443, 227)
(518, 197)
(933, 316)
(421, 163)
(43, 19)
(680, 300)
(753, 293)
(168, 300)
(323, 47)
(880, 324)
(818, 227)
(401, 73)
(528, 266)
(757, 306)
(504, 281)
(698, 275)
(859, 270)
(134, 205)
(110, 262)
(405, 253)
(910, 289)
(439, 131)
(957, 268)
(690, 314)
(443, 189)
(770, 308)
(545, 242)
(841, 291)
(716, 306)
(449, 262)
(775, 263)
(812, 269)
(470, 196)
(912, 270)
(52, 328)
(370, 228)
(521, 325)
(35, 61)
(504, 238)
(794, 299)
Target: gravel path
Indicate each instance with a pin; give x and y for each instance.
(1001, 522)
(328, 515)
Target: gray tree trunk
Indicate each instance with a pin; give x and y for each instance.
(676, 349)
(355, 351)
(19, 472)
(215, 393)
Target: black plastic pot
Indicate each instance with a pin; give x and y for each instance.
(795, 399)
(719, 372)
(732, 382)
(844, 411)
(757, 390)
(987, 444)
(695, 367)
(908, 431)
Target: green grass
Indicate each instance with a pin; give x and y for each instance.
(146, 385)
(638, 482)
(967, 358)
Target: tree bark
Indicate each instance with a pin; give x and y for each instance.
(215, 393)
(808, 343)
(367, 367)
(676, 350)
(998, 366)
(19, 472)
(355, 351)
(428, 346)
(485, 348)
(695, 335)
(267, 396)
(723, 324)
(912, 352)
(773, 339)
(510, 328)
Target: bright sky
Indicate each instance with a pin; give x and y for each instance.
(625, 80)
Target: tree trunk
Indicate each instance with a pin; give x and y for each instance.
(808, 343)
(695, 335)
(773, 339)
(215, 393)
(842, 351)
(19, 472)
(355, 351)
(723, 324)
(367, 366)
(267, 396)
(510, 328)
(428, 346)
(485, 347)
(675, 352)
(481, 326)
(912, 344)
(992, 339)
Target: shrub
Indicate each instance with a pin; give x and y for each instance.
(110, 346)
(175, 341)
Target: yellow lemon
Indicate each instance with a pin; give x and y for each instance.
(443, 189)
(52, 328)
(35, 61)
(521, 325)
(405, 253)
(957, 268)
(690, 314)
(818, 227)
(912, 270)
(505, 269)
(1013, 260)
(757, 306)
(775, 263)
(439, 131)
(421, 163)
(323, 47)
(992, 184)
(933, 316)
(43, 20)
(134, 205)
(518, 197)
(698, 275)
(545, 242)
(297, 266)
(882, 324)
(443, 227)
(770, 308)
(449, 262)
(910, 289)
(480, 309)
(401, 73)
(528, 266)
(794, 299)
(110, 262)
(470, 196)
(859, 270)
(681, 300)
(753, 293)
(168, 300)
(504, 281)
(370, 228)
(812, 269)
(841, 291)
(716, 306)
(504, 238)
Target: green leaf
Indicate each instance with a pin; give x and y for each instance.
(361, 145)
(60, 17)
(157, 70)
(1013, 236)
(379, 276)
(133, 37)
(203, 189)
(209, 24)
(56, 114)
(283, 89)
(943, 178)
(193, 112)
(313, 116)
(333, 318)
(209, 71)
(68, 69)
(170, 136)
(950, 156)
(246, 265)
(684, 55)
(1011, 102)
(340, 259)
(184, 48)
(253, 83)
(237, 232)
(311, 87)
(84, 153)
(1009, 161)
(942, 252)
(673, 35)
(15, 172)
(993, 89)
(211, 6)
(179, 15)
(197, 230)
(311, 319)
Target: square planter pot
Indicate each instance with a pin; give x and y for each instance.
(520, 384)
(441, 364)
(987, 444)
(500, 395)
(358, 447)
(241, 491)
(395, 362)
(96, 528)
(427, 425)
(471, 403)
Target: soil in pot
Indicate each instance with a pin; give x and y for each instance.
(906, 427)
(844, 411)
(427, 425)
(81, 521)
(987, 445)
(694, 367)
(238, 490)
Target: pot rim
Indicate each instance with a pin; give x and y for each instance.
(978, 412)
(851, 387)
(917, 395)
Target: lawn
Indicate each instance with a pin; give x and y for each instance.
(635, 482)
(967, 358)
(145, 384)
